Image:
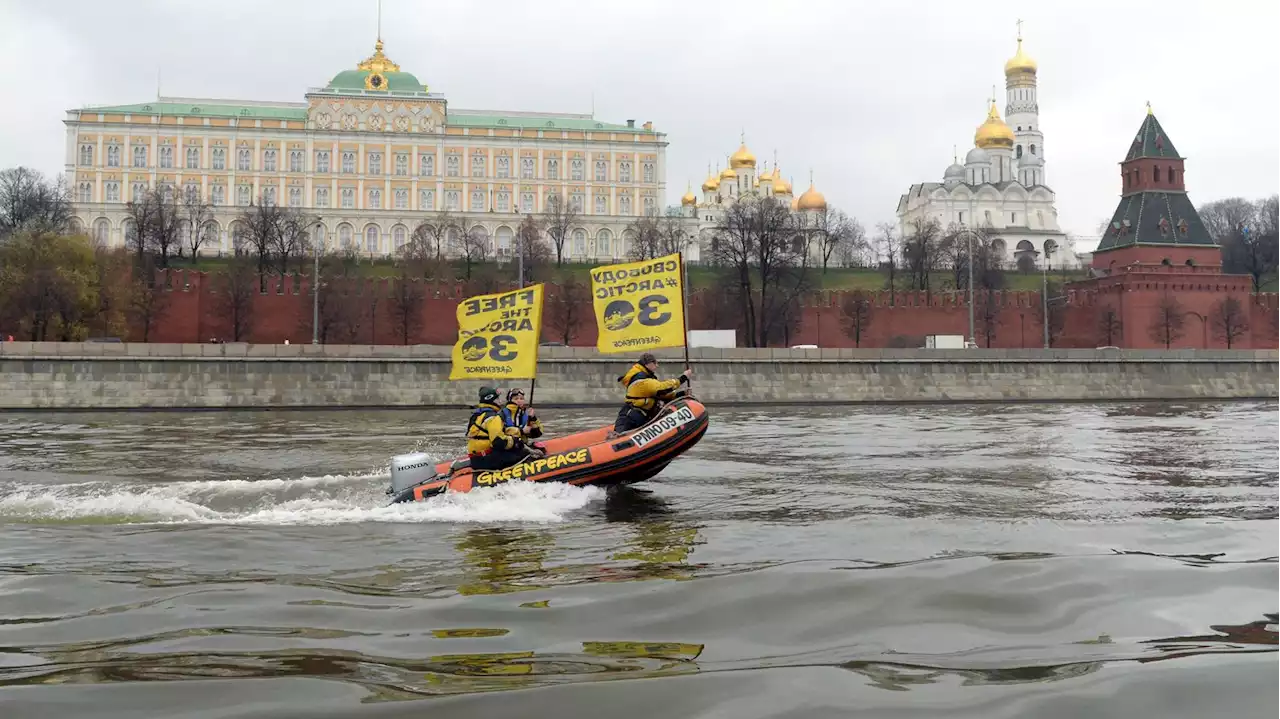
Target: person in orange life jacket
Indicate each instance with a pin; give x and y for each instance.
(517, 413)
(491, 444)
(645, 393)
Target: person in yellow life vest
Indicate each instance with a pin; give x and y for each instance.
(517, 413)
(491, 444)
(645, 393)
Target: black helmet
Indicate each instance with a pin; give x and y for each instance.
(488, 394)
(513, 393)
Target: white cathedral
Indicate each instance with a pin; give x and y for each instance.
(1001, 187)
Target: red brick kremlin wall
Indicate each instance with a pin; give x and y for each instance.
(196, 312)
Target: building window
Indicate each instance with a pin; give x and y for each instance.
(348, 162)
(504, 202)
(193, 158)
(1033, 149)
(477, 200)
(650, 207)
(604, 244)
(526, 168)
(477, 165)
(243, 195)
(295, 161)
(375, 163)
(402, 164)
(322, 160)
(426, 200)
(1019, 153)
(113, 155)
(426, 165)
(166, 156)
(1040, 218)
(526, 202)
(960, 217)
(577, 169)
(218, 195)
(578, 202)
(1013, 218)
(504, 167)
(268, 160)
(601, 204)
(624, 205)
(452, 199)
(219, 158)
(452, 166)
(348, 198)
(139, 155)
(648, 172)
(86, 154)
(375, 199)
(242, 159)
(402, 199)
(268, 196)
(624, 171)
(113, 192)
(579, 243)
(398, 235)
(295, 197)
(553, 169)
(322, 197)
(371, 238)
(191, 191)
(344, 236)
(602, 171)
(84, 192)
(136, 191)
(1155, 174)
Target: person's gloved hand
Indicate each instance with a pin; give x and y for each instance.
(511, 431)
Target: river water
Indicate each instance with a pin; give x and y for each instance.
(1040, 561)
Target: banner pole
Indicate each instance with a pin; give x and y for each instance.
(684, 316)
(533, 381)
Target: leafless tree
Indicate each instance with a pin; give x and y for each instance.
(558, 218)
(921, 251)
(657, 236)
(236, 297)
(836, 235)
(888, 247)
(1248, 234)
(533, 246)
(1167, 324)
(988, 317)
(197, 216)
(855, 315)
(567, 307)
(335, 305)
(430, 236)
(148, 299)
(262, 224)
(1057, 312)
(31, 203)
(294, 236)
(1109, 326)
(1229, 320)
(760, 241)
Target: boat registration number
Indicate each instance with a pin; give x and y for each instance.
(667, 424)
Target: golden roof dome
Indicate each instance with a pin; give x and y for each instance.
(727, 173)
(712, 183)
(993, 132)
(1020, 63)
(765, 176)
(689, 198)
(780, 184)
(811, 199)
(742, 158)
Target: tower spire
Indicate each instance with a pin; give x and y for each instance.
(1019, 29)
(379, 20)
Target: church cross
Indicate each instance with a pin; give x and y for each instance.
(1019, 28)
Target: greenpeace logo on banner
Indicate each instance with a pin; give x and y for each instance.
(679, 418)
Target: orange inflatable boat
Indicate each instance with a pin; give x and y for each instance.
(589, 457)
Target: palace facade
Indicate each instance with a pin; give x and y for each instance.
(371, 154)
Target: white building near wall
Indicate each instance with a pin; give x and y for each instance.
(1002, 185)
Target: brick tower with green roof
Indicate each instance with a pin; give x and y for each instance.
(1155, 222)
(1156, 253)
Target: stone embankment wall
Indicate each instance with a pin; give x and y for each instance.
(55, 375)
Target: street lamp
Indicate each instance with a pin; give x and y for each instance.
(315, 284)
(970, 234)
(1044, 290)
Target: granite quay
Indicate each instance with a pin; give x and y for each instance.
(76, 376)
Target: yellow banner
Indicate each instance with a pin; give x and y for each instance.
(639, 305)
(498, 335)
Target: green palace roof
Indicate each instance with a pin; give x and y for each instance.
(188, 109)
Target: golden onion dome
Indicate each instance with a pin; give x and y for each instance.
(1020, 63)
(811, 199)
(742, 158)
(712, 183)
(689, 198)
(765, 176)
(993, 132)
(780, 184)
(727, 174)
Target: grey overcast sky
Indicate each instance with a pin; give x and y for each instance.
(870, 96)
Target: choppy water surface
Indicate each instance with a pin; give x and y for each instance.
(959, 561)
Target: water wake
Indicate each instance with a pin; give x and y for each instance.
(328, 499)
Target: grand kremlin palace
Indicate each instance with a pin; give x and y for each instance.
(368, 154)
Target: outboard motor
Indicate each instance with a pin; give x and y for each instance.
(410, 470)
